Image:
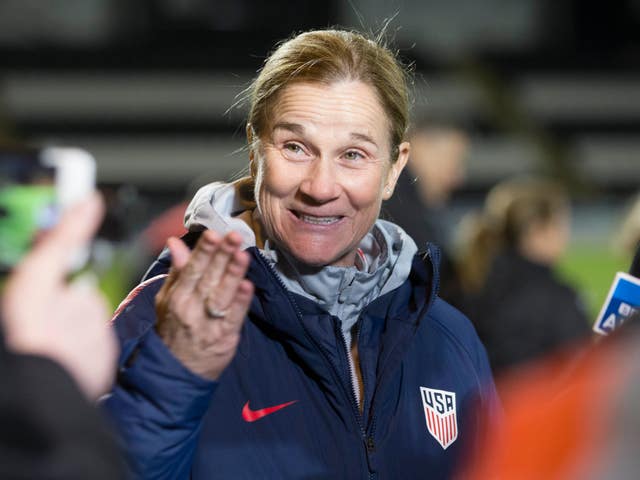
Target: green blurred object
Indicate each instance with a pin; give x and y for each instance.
(116, 280)
(26, 209)
(590, 268)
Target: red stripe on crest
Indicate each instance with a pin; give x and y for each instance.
(448, 428)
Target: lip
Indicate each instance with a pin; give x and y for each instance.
(296, 216)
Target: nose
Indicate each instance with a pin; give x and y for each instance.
(320, 184)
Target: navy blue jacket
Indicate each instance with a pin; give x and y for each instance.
(175, 424)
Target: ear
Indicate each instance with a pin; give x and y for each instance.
(396, 169)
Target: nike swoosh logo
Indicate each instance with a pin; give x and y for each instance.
(252, 415)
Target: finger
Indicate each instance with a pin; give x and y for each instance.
(180, 253)
(221, 297)
(238, 308)
(218, 265)
(198, 261)
(49, 261)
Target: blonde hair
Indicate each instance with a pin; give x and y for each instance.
(328, 56)
(510, 209)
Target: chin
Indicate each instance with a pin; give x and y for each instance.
(313, 260)
(316, 259)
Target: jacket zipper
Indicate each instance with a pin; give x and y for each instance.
(334, 369)
(423, 312)
(367, 439)
(352, 368)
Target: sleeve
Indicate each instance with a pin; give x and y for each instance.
(486, 412)
(489, 399)
(157, 404)
(483, 408)
(574, 323)
(487, 408)
(49, 430)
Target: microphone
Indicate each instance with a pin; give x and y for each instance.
(623, 301)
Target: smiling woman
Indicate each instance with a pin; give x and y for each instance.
(290, 295)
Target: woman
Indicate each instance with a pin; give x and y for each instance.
(520, 309)
(302, 338)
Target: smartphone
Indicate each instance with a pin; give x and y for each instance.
(36, 186)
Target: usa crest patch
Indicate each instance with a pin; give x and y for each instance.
(440, 413)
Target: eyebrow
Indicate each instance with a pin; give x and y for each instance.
(292, 127)
(363, 137)
(299, 129)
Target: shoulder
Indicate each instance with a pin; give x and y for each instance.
(453, 323)
(447, 338)
(446, 330)
(136, 313)
(440, 315)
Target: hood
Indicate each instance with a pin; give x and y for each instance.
(222, 207)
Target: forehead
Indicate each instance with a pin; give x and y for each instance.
(347, 107)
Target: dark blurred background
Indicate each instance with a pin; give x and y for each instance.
(547, 87)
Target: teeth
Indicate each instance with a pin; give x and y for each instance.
(319, 220)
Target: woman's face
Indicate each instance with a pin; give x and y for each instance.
(546, 241)
(322, 169)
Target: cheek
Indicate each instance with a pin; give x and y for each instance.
(274, 175)
(271, 187)
(366, 194)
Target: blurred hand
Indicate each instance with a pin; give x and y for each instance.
(202, 305)
(44, 315)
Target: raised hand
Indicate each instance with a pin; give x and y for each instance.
(202, 305)
(44, 315)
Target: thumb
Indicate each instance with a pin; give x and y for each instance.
(180, 253)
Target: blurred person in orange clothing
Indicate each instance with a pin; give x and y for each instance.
(574, 416)
(580, 423)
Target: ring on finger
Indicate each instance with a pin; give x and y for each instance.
(213, 312)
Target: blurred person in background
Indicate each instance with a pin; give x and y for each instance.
(57, 355)
(345, 363)
(628, 237)
(436, 168)
(570, 416)
(520, 309)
